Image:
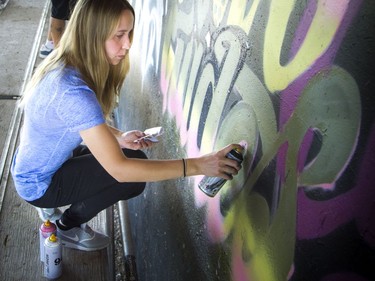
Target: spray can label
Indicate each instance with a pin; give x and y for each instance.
(53, 257)
(45, 231)
(212, 185)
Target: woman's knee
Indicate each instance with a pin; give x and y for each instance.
(129, 190)
(138, 188)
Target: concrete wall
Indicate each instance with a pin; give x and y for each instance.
(291, 80)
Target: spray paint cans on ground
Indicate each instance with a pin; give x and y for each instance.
(52, 257)
(45, 230)
(212, 185)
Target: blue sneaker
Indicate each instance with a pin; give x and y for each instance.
(44, 51)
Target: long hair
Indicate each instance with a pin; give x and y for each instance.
(83, 46)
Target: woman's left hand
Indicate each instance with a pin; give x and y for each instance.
(132, 140)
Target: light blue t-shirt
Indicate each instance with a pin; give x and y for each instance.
(61, 105)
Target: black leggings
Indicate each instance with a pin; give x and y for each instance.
(82, 182)
(61, 9)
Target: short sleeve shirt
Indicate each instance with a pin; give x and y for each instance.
(60, 106)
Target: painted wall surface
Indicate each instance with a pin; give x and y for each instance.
(293, 81)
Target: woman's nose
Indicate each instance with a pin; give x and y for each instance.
(126, 44)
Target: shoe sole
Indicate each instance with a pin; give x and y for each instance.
(82, 248)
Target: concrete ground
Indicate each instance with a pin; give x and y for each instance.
(23, 25)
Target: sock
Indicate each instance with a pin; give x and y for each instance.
(49, 44)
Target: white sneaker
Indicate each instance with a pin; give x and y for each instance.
(83, 238)
(51, 214)
(44, 51)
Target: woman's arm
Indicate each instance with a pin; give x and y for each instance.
(116, 132)
(103, 145)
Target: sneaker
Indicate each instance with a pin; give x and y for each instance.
(44, 51)
(51, 214)
(83, 238)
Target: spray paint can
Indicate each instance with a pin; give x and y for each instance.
(212, 185)
(45, 231)
(52, 257)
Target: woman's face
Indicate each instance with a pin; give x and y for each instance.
(119, 44)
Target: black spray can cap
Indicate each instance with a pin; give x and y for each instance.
(236, 154)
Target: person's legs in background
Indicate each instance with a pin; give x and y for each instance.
(60, 13)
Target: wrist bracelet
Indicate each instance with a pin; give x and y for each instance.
(184, 163)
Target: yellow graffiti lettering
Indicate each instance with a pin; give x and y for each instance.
(331, 105)
(318, 38)
(204, 71)
(248, 220)
(237, 17)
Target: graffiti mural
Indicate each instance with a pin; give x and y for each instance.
(278, 77)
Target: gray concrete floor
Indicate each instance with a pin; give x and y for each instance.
(20, 21)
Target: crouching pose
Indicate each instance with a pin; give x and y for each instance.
(66, 104)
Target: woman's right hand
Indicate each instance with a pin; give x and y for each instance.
(216, 164)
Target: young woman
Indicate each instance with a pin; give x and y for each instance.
(66, 103)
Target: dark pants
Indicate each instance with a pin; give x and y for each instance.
(84, 184)
(61, 9)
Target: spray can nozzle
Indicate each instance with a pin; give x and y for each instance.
(52, 238)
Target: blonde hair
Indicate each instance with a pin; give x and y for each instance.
(83, 47)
